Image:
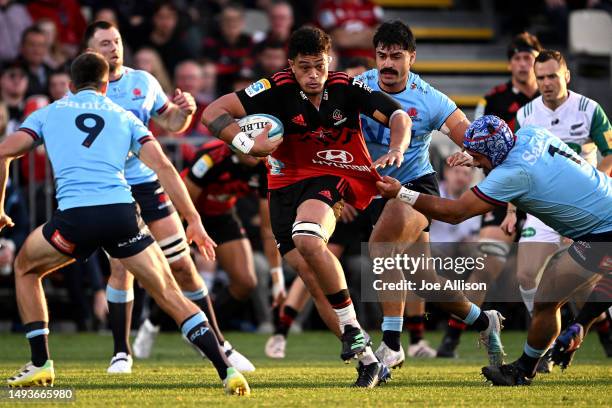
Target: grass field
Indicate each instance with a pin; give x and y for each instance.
(311, 375)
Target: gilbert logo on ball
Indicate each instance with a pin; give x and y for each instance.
(253, 125)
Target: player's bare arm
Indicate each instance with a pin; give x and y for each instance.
(455, 126)
(450, 211)
(178, 115)
(152, 155)
(14, 146)
(219, 118)
(400, 125)
(606, 165)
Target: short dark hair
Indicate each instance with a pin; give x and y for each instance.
(395, 33)
(91, 29)
(88, 70)
(308, 41)
(31, 30)
(523, 42)
(547, 55)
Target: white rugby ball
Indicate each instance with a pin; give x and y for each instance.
(253, 125)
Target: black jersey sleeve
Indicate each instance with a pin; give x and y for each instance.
(265, 95)
(374, 104)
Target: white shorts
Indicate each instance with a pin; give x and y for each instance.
(535, 230)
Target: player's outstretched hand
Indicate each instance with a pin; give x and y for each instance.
(394, 157)
(508, 225)
(263, 145)
(460, 159)
(185, 101)
(5, 221)
(196, 233)
(388, 187)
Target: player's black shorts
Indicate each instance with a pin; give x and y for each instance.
(153, 201)
(78, 232)
(593, 252)
(427, 184)
(285, 201)
(225, 227)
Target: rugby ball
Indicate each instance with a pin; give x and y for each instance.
(253, 125)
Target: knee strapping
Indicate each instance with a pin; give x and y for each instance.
(311, 229)
(494, 247)
(174, 247)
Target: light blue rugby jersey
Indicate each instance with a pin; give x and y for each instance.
(140, 93)
(428, 108)
(87, 138)
(546, 178)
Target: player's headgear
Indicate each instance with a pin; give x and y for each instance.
(490, 136)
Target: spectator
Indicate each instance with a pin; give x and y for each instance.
(13, 87)
(230, 48)
(147, 59)
(163, 35)
(271, 57)
(280, 19)
(59, 83)
(351, 24)
(68, 19)
(209, 82)
(359, 65)
(34, 51)
(56, 57)
(188, 76)
(14, 19)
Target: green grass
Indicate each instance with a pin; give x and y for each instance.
(312, 375)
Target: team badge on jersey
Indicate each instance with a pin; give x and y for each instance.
(257, 87)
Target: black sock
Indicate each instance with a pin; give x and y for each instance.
(39, 346)
(205, 304)
(120, 320)
(285, 320)
(455, 329)
(528, 364)
(155, 314)
(416, 328)
(392, 339)
(228, 308)
(482, 322)
(340, 299)
(199, 333)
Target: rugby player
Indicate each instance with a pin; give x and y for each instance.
(322, 161)
(394, 222)
(532, 170)
(140, 93)
(503, 101)
(87, 138)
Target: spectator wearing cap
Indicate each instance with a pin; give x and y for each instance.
(13, 87)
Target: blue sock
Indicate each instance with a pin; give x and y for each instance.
(476, 318)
